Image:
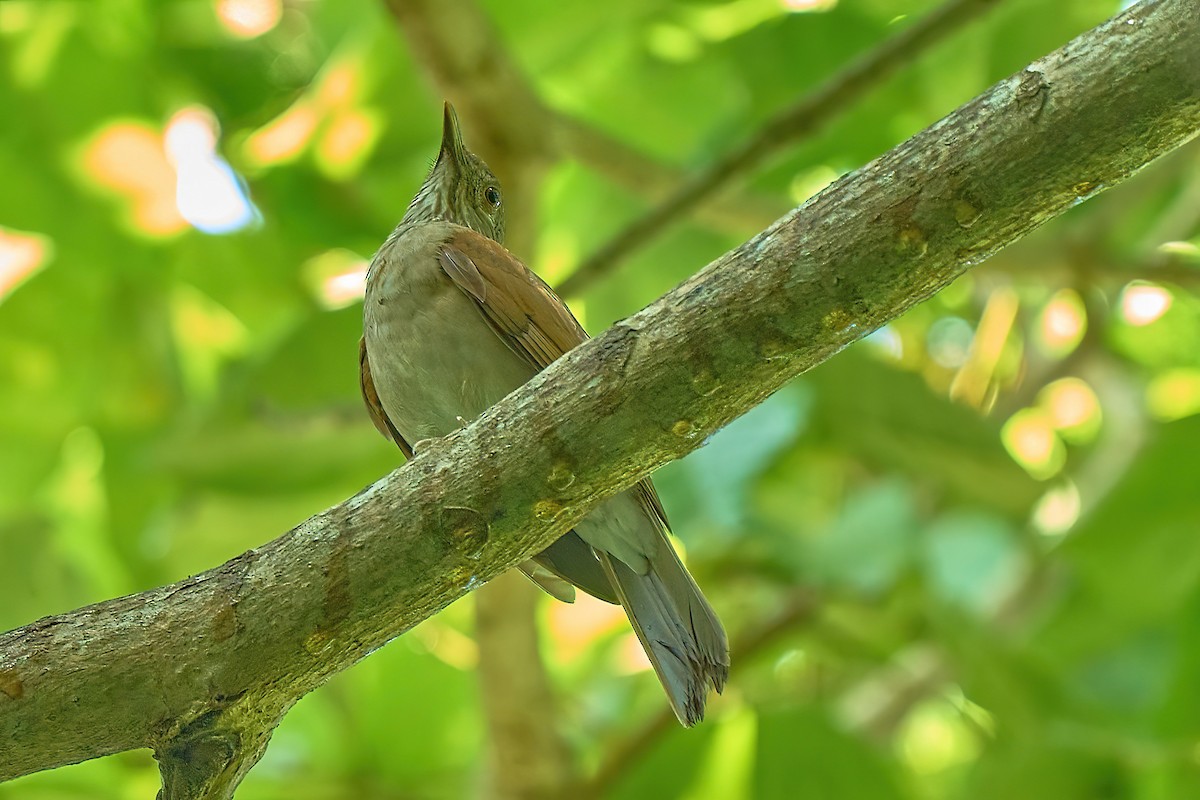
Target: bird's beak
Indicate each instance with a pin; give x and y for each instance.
(452, 151)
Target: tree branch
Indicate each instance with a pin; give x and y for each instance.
(636, 172)
(529, 759)
(786, 127)
(247, 638)
(459, 49)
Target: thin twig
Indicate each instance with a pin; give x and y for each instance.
(647, 177)
(791, 124)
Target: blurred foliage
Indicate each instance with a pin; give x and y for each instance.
(989, 507)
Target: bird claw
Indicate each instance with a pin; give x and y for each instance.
(421, 444)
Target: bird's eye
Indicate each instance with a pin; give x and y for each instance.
(492, 195)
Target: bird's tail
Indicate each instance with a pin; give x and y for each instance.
(677, 627)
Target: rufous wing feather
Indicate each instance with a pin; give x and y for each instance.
(379, 417)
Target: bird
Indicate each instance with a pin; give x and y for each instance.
(453, 322)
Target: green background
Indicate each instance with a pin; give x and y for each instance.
(987, 598)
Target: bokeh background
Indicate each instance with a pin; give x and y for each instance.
(960, 560)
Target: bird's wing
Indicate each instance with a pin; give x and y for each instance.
(522, 310)
(536, 325)
(374, 407)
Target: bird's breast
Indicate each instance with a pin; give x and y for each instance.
(435, 361)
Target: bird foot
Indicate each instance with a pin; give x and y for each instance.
(422, 444)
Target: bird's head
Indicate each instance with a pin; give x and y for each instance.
(460, 187)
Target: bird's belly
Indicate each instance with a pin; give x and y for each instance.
(436, 363)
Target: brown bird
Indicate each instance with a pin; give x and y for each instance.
(452, 323)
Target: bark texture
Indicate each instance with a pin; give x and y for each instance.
(203, 669)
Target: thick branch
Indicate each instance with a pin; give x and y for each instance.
(244, 640)
(784, 129)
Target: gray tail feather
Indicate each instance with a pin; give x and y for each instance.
(677, 627)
